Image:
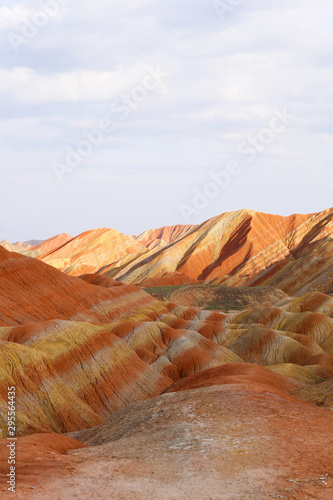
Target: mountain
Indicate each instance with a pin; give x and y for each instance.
(9, 246)
(74, 334)
(27, 244)
(19, 248)
(48, 246)
(90, 251)
(215, 381)
(153, 238)
(33, 243)
(244, 248)
(99, 347)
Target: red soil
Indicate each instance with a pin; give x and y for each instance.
(244, 373)
(38, 457)
(31, 290)
(100, 280)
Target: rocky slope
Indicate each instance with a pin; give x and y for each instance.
(162, 397)
(230, 441)
(95, 348)
(19, 247)
(50, 245)
(153, 238)
(74, 358)
(244, 248)
(88, 252)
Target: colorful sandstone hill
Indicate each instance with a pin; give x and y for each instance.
(243, 248)
(82, 350)
(217, 380)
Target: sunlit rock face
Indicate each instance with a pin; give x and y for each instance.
(156, 387)
(242, 248)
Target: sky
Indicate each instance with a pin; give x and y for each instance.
(144, 113)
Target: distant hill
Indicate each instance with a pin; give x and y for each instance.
(237, 249)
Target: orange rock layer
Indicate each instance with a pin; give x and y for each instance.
(82, 350)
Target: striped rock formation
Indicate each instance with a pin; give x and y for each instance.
(71, 332)
(74, 359)
(172, 398)
(244, 248)
(153, 238)
(78, 349)
(19, 248)
(31, 290)
(48, 246)
(90, 251)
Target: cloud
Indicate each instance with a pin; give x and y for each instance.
(27, 86)
(12, 17)
(225, 79)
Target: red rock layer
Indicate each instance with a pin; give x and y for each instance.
(50, 245)
(245, 373)
(91, 251)
(154, 237)
(236, 247)
(40, 456)
(31, 290)
(82, 350)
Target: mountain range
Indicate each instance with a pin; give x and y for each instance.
(186, 362)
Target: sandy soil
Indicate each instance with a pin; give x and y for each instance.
(214, 443)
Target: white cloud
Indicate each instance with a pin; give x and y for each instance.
(26, 86)
(12, 17)
(225, 79)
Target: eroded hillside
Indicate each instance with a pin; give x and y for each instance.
(156, 387)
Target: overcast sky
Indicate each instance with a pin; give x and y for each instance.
(186, 86)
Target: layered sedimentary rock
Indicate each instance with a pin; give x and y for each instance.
(91, 251)
(82, 370)
(162, 391)
(99, 347)
(153, 238)
(44, 402)
(67, 340)
(310, 271)
(292, 253)
(64, 371)
(242, 248)
(31, 290)
(19, 248)
(48, 246)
